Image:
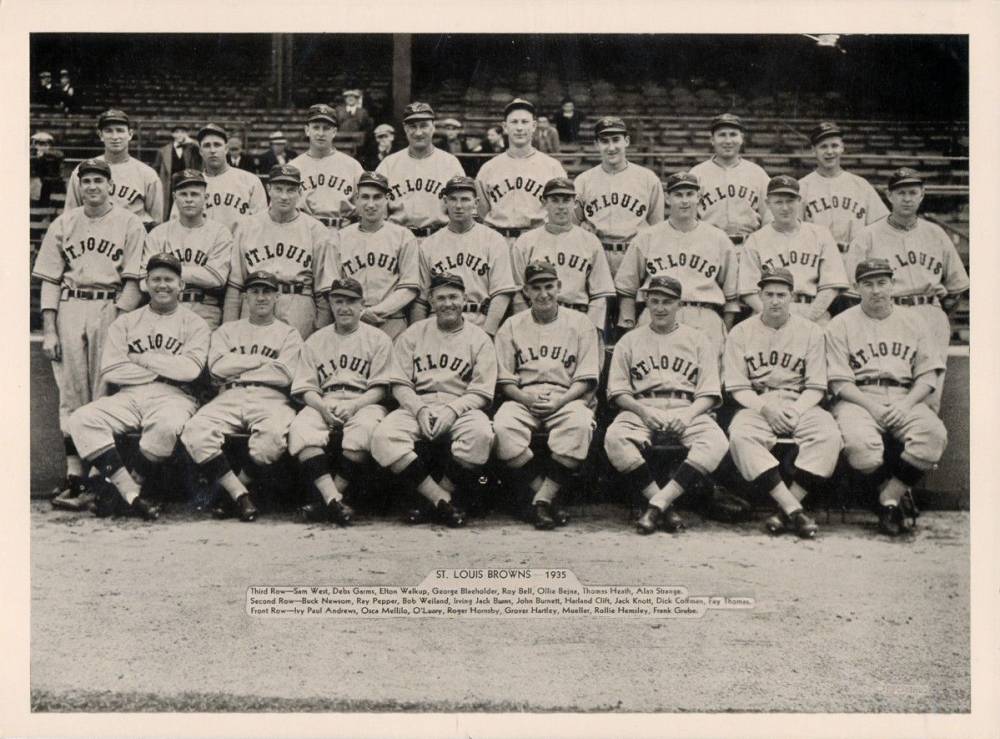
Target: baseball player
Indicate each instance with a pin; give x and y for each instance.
(732, 188)
(382, 256)
(151, 354)
(88, 265)
(232, 195)
(806, 250)
(510, 184)
(548, 362)
(664, 378)
(882, 367)
(929, 275)
(694, 252)
(443, 376)
(328, 176)
(577, 256)
(135, 185)
(774, 366)
(418, 173)
(472, 251)
(254, 360)
(342, 378)
(204, 247)
(294, 247)
(617, 198)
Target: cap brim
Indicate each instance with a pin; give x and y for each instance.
(779, 280)
(326, 118)
(286, 180)
(542, 278)
(874, 273)
(663, 291)
(683, 185)
(908, 181)
(418, 117)
(559, 191)
(343, 292)
(262, 283)
(185, 183)
(784, 191)
(827, 135)
(608, 131)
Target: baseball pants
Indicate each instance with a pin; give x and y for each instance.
(751, 438)
(570, 429)
(923, 435)
(471, 437)
(394, 326)
(805, 309)
(939, 338)
(298, 311)
(211, 314)
(156, 409)
(83, 326)
(704, 440)
(263, 411)
(310, 430)
(706, 320)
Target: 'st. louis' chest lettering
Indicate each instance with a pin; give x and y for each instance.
(258, 254)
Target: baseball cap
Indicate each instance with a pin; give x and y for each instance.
(558, 186)
(775, 274)
(904, 176)
(97, 166)
(64, 72)
(451, 123)
(539, 270)
(112, 115)
(384, 128)
(277, 138)
(284, 173)
(348, 287)
(166, 260)
(459, 182)
(45, 73)
(518, 104)
(260, 277)
(418, 112)
(664, 284)
(872, 267)
(727, 120)
(187, 177)
(610, 124)
(212, 129)
(824, 130)
(447, 279)
(43, 136)
(322, 112)
(682, 179)
(351, 91)
(374, 179)
(782, 184)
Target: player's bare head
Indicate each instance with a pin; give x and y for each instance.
(906, 192)
(874, 279)
(114, 130)
(727, 135)
(611, 135)
(189, 187)
(164, 282)
(321, 127)
(541, 286)
(568, 106)
(519, 122)
(261, 295)
(346, 302)
(447, 296)
(683, 189)
(458, 198)
(494, 134)
(371, 197)
(213, 143)
(783, 199)
(235, 145)
(284, 184)
(663, 300)
(95, 181)
(828, 144)
(558, 196)
(776, 286)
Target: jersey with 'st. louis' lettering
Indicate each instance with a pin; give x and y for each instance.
(512, 188)
(808, 252)
(172, 345)
(232, 197)
(480, 256)
(415, 186)
(382, 261)
(273, 349)
(359, 360)
(681, 360)
(204, 251)
(845, 204)
(301, 251)
(328, 183)
(617, 204)
(761, 358)
(732, 198)
(135, 186)
(560, 352)
(579, 259)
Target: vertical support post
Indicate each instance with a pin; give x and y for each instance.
(402, 72)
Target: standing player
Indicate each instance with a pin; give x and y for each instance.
(694, 252)
(137, 186)
(882, 368)
(510, 184)
(292, 246)
(151, 355)
(664, 379)
(732, 189)
(328, 176)
(342, 378)
(617, 198)
(253, 359)
(203, 247)
(89, 267)
(577, 256)
(775, 368)
(444, 374)
(475, 253)
(233, 195)
(548, 362)
(806, 250)
(929, 275)
(382, 256)
(418, 173)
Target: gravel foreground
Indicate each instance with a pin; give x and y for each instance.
(128, 616)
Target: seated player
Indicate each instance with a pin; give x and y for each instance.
(548, 362)
(342, 378)
(882, 368)
(151, 354)
(254, 360)
(774, 366)
(444, 374)
(665, 378)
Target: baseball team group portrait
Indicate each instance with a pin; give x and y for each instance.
(341, 309)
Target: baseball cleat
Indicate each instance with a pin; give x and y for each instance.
(561, 516)
(775, 524)
(541, 516)
(144, 509)
(671, 521)
(339, 512)
(73, 495)
(889, 520)
(802, 524)
(649, 521)
(312, 513)
(248, 511)
(449, 514)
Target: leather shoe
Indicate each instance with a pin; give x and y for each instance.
(889, 518)
(649, 521)
(144, 509)
(775, 524)
(729, 508)
(313, 513)
(108, 502)
(561, 516)
(804, 526)
(908, 513)
(339, 512)
(415, 516)
(542, 516)
(248, 511)
(449, 514)
(671, 521)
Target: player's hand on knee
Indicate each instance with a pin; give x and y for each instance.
(544, 405)
(772, 414)
(51, 347)
(329, 417)
(677, 423)
(343, 410)
(443, 421)
(896, 413)
(426, 421)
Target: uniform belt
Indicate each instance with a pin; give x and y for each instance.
(340, 386)
(883, 382)
(510, 232)
(197, 295)
(701, 304)
(916, 300)
(738, 239)
(483, 307)
(803, 298)
(90, 294)
(239, 384)
(616, 245)
(294, 288)
(331, 221)
(425, 230)
(582, 307)
(682, 394)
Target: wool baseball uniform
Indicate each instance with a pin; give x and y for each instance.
(205, 253)
(232, 197)
(778, 364)
(732, 198)
(579, 260)
(415, 187)
(85, 261)
(455, 368)
(254, 364)
(328, 183)
(666, 371)
(540, 358)
(512, 188)
(341, 367)
(150, 356)
(135, 186)
(884, 358)
(845, 204)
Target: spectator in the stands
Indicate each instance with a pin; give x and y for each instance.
(496, 141)
(46, 168)
(239, 159)
(277, 153)
(67, 95)
(568, 121)
(546, 136)
(44, 93)
(352, 116)
(385, 144)
(451, 142)
(175, 156)
(473, 145)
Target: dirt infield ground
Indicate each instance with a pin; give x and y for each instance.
(137, 617)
